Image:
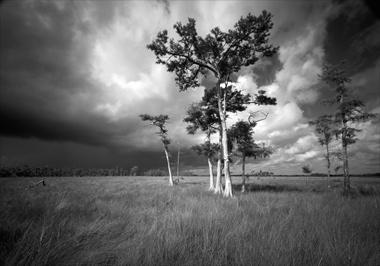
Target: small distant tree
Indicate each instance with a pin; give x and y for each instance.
(323, 125)
(160, 121)
(350, 109)
(242, 144)
(337, 168)
(209, 150)
(306, 169)
(134, 170)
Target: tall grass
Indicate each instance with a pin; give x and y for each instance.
(142, 221)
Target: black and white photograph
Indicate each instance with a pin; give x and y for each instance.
(178, 132)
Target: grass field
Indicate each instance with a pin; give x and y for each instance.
(143, 221)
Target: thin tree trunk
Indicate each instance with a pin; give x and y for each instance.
(171, 183)
(346, 176)
(243, 175)
(346, 180)
(212, 186)
(328, 163)
(218, 183)
(179, 149)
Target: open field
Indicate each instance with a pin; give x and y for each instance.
(143, 221)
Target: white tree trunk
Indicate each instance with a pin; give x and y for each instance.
(218, 183)
(179, 151)
(171, 183)
(222, 113)
(212, 186)
(243, 175)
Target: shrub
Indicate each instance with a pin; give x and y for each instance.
(156, 172)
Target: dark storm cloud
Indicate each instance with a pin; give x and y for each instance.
(45, 71)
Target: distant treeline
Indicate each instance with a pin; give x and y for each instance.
(26, 171)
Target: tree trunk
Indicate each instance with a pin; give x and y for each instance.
(218, 183)
(346, 176)
(243, 175)
(179, 150)
(346, 180)
(171, 183)
(328, 163)
(212, 186)
(222, 113)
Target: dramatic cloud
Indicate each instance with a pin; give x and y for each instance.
(76, 75)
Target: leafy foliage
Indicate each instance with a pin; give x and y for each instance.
(156, 172)
(207, 149)
(350, 109)
(158, 121)
(306, 169)
(220, 53)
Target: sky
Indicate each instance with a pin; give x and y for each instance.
(75, 76)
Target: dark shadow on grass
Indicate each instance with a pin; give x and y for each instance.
(267, 188)
(191, 183)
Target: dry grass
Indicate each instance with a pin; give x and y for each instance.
(142, 221)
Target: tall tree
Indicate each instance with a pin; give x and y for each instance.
(160, 121)
(219, 53)
(350, 109)
(323, 125)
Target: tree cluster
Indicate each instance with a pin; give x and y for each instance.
(348, 110)
(221, 55)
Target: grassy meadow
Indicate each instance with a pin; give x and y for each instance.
(143, 221)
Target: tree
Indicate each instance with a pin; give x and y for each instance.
(160, 121)
(350, 109)
(306, 169)
(134, 170)
(242, 144)
(201, 118)
(323, 126)
(220, 54)
(209, 150)
(204, 115)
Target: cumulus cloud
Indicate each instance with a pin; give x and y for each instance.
(80, 72)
